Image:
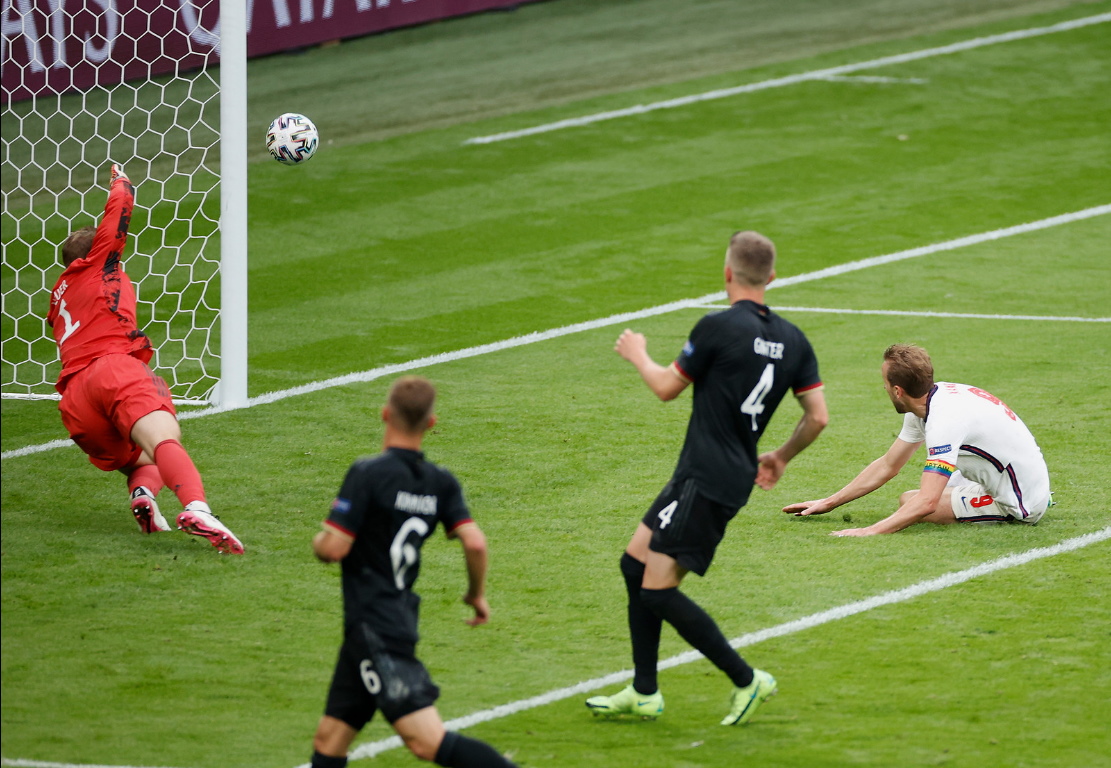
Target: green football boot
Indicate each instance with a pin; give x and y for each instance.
(628, 702)
(746, 700)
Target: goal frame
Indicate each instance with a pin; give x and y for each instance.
(231, 388)
(227, 39)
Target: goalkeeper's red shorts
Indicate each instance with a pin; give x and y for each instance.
(102, 403)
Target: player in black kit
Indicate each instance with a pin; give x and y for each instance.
(388, 505)
(742, 362)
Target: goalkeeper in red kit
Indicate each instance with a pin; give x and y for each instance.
(114, 407)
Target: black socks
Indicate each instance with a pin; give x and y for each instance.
(644, 628)
(696, 627)
(458, 751)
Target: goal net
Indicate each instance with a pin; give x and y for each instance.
(86, 84)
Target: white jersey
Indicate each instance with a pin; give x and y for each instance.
(971, 430)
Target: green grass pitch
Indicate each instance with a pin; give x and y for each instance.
(399, 241)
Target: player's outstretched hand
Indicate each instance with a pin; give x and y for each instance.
(118, 173)
(481, 610)
(806, 508)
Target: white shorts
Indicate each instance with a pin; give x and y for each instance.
(973, 504)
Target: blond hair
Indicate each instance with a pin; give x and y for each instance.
(751, 257)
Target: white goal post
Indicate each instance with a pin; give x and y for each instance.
(161, 89)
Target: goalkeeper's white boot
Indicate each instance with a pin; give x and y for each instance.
(628, 702)
(145, 509)
(198, 520)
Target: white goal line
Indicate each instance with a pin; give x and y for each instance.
(780, 82)
(373, 374)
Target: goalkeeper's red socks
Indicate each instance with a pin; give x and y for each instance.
(179, 472)
(145, 476)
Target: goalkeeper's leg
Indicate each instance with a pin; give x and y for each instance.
(159, 435)
(143, 483)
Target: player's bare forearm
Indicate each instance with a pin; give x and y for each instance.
(873, 476)
(476, 559)
(870, 478)
(906, 516)
(815, 417)
(867, 481)
(917, 508)
(662, 380)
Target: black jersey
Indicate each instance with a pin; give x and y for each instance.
(742, 362)
(389, 504)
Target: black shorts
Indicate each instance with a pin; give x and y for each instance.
(686, 525)
(363, 683)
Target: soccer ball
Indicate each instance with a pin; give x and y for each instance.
(292, 138)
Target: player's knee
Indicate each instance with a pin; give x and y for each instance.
(320, 743)
(333, 737)
(906, 496)
(329, 738)
(154, 429)
(424, 747)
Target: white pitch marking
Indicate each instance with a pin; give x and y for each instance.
(751, 638)
(17, 763)
(780, 82)
(872, 79)
(788, 628)
(532, 338)
(55, 396)
(911, 313)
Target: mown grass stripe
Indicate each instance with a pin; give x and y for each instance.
(780, 82)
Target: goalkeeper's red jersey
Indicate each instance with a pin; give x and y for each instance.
(92, 306)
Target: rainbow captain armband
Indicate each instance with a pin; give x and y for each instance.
(939, 466)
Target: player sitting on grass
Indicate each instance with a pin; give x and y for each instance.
(114, 407)
(982, 463)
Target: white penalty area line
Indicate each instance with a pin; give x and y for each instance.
(780, 82)
(373, 374)
(874, 79)
(789, 628)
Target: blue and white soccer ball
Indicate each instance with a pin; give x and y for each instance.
(292, 138)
